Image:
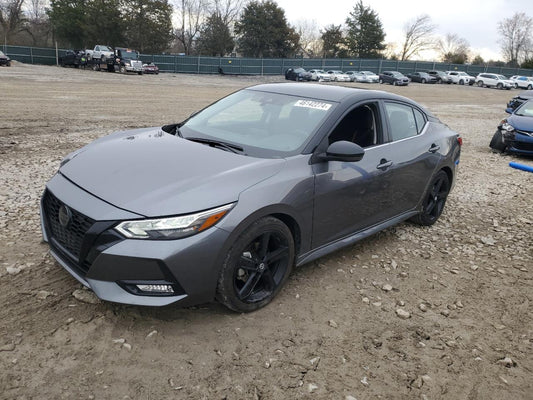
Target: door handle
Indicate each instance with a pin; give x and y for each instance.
(384, 164)
(434, 148)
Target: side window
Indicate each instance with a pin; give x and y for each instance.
(401, 121)
(420, 120)
(361, 126)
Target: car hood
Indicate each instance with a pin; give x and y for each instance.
(521, 123)
(152, 173)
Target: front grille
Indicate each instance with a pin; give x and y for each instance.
(523, 146)
(525, 132)
(69, 237)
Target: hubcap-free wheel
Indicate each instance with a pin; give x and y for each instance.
(257, 266)
(434, 200)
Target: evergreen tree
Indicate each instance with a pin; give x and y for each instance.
(264, 32)
(104, 23)
(215, 37)
(332, 41)
(148, 25)
(365, 36)
(69, 21)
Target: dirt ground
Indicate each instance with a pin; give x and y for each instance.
(332, 333)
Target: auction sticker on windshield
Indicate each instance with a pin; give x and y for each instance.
(317, 105)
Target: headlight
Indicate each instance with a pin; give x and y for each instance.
(173, 227)
(507, 127)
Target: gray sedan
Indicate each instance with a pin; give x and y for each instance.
(226, 203)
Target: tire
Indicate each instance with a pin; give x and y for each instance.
(140, 73)
(497, 143)
(423, 80)
(499, 86)
(434, 200)
(257, 266)
(380, 81)
(461, 82)
(480, 83)
(122, 69)
(395, 83)
(516, 85)
(103, 58)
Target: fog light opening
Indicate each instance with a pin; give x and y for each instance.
(164, 289)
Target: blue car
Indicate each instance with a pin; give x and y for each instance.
(515, 133)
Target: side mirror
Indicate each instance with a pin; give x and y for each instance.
(343, 151)
(509, 110)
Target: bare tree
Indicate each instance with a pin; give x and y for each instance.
(228, 10)
(309, 33)
(11, 17)
(516, 42)
(191, 14)
(418, 36)
(454, 48)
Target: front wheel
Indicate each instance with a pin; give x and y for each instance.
(380, 81)
(423, 80)
(497, 143)
(461, 82)
(499, 86)
(122, 69)
(434, 200)
(529, 87)
(257, 266)
(480, 83)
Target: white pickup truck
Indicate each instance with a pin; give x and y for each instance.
(100, 52)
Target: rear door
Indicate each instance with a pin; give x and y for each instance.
(416, 151)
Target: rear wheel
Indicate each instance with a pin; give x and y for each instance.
(257, 266)
(497, 143)
(434, 200)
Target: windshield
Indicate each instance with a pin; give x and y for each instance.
(105, 48)
(397, 74)
(502, 77)
(525, 110)
(368, 73)
(130, 55)
(2, 53)
(264, 124)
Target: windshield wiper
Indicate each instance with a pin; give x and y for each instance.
(217, 143)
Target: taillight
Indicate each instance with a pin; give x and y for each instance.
(459, 140)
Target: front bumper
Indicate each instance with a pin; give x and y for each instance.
(518, 143)
(111, 265)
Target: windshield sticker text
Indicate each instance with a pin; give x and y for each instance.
(317, 105)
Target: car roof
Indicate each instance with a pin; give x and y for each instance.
(329, 93)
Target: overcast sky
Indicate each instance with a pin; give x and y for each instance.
(474, 21)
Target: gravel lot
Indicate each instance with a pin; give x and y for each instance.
(334, 332)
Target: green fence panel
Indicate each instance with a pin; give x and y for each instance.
(266, 66)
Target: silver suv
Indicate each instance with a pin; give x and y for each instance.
(494, 80)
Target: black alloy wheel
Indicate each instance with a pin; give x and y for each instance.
(257, 266)
(434, 200)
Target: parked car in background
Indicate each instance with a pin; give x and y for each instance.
(516, 101)
(150, 68)
(442, 77)
(225, 207)
(319, 75)
(461, 78)
(100, 52)
(297, 74)
(421, 77)
(338, 76)
(394, 78)
(523, 82)
(356, 76)
(4, 59)
(515, 133)
(494, 80)
(371, 76)
(73, 58)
